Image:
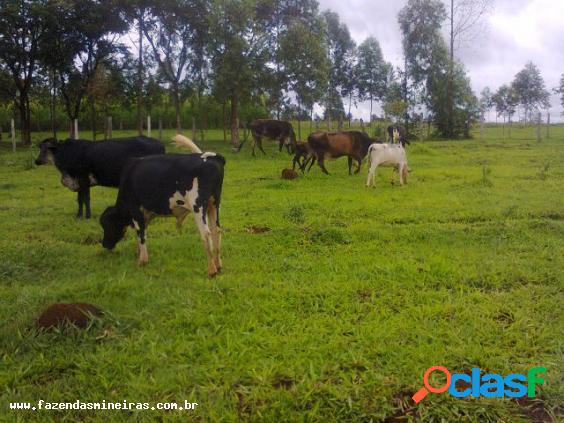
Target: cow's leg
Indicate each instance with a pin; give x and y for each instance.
(403, 173)
(86, 199)
(370, 177)
(349, 158)
(359, 161)
(255, 137)
(321, 163)
(311, 162)
(372, 174)
(141, 226)
(79, 197)
(295, 160)
(205, 233)
(260, 146)
(213, 222)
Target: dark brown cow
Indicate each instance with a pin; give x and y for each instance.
(302, 156)
(353, 144)
(272, 129)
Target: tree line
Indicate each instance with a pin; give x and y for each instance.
(235, 60)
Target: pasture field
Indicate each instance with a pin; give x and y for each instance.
(333, 301)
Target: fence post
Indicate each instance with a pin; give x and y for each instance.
(548, 126)
(148, 125)
(76, 129)
(160, 128)
(538, 126)
(110, 127)
(194, 128)
(482, 129)
(13, 128)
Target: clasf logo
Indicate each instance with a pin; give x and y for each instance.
(515, 385)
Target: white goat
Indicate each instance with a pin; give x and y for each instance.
(392, 155)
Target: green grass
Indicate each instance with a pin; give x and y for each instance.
(333, 301)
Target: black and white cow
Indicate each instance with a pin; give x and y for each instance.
(169, 185)
(396, 134)
(83, 164)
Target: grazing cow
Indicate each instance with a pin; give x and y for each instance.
(353, 144)
(302, 156)
(83, 164)
(396, 134)
(272, 129)
(164, 185)
(387, 155)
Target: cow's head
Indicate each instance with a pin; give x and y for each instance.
(47, 150)
(114, 226)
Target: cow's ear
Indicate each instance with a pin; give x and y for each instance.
(53, 145)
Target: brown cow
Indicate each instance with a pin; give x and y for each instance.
(353, 144)
(303, 155)
(272, 129)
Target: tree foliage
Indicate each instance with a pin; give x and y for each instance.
(529, 89)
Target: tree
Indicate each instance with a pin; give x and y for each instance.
(486, 101)
(466, 108)
(529, 88)
(560, 90)
(22, 29)
(420, 22)
(240, 53)
(279, 16)
(340, 45)
(505, 100)
(81, 36)
(372, 72)
(464, 18)
(306, 67)
(173, 34)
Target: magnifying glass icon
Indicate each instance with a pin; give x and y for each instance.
(422, 393)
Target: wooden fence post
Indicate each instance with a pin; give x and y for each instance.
(110, 127)
(13, 128)
(194, 128)
(149, 125)
(160, 128)
(482, 129)
(538, 127)
(76, 129)
(548, 126)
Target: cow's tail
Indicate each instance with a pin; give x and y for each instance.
(368, 156)
(186, 143)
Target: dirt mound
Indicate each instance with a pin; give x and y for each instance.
(289, 174)
(78, 314)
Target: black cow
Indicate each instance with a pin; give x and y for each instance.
(83, 164)
(272, 129)
(396, 134)
(171, 184)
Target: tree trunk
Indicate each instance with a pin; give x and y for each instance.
(140, 76)
(235, 121)
(450, 99)
(25, 117)
(223, 123)
(370, 121)
(93, 119)
(176, 95)
(350, 105)
(52, 105)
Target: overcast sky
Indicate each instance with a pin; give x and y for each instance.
(514, 32)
